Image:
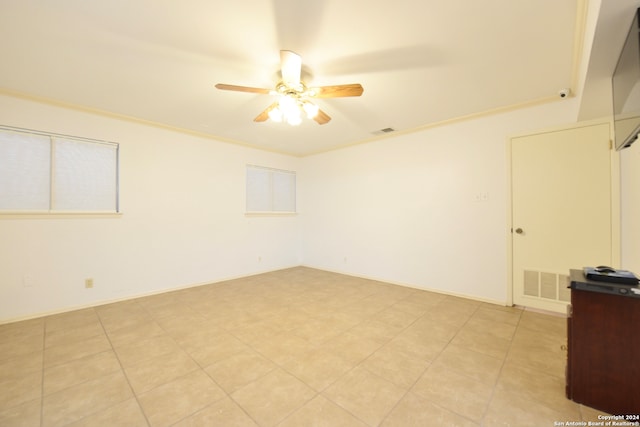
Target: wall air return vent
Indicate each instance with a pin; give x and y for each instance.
(383, 131)
(545, 285)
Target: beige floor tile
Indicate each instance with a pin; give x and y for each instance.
(77, 371)
(351, 347)
(21, 365)
(283, 347)
(73, 335)
(376, 330)
(427, 298)
(180, 323)
(478, 366)
(380, 300)
(162, 369)
(483, 342)
(259, 331)
(458, 305)
(318, 368)
(590, 414)
(341, 319)
(546, 389)
(338, 301)
(260, 307)
(397, 366)
(224, 413)
(539, 351)
(67, 352)
(410, 306)
(316, 331)
(424, 348)
(158, 300)
(203, 333)
(235, 319)
(135, 333)
(125, 314)
(180, 398)
(24, 415)
(274, 341)
(127, 413)
(170, 311)
(284, 319)
(217, 348)
(415, 411)
(396, 317)
(273, 397)
(454, 391)
(321, 412)
(313, 309)
(496, 313)
(549, 339)
(508, 408)
(13, 344)
(426, 328)
(366, 395)
(84, 399)
(478, 323)
(448, 317)
(240, 369)
(397, 293)
(16, 390)
(545, 323)
(140, 351)
(71, 320)
(22, 329)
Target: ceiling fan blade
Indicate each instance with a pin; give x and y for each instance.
(262, 117)
(322, 117)
(290, 67)
(243, 88)
(338, 91)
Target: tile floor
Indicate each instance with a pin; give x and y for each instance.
(297, 347)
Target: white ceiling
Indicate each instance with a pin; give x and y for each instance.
(421, 62)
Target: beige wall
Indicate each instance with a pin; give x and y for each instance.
(427, 209)
(183, 220)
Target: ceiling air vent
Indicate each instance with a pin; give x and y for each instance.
(384, 131)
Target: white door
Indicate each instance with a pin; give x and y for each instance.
(561, 211)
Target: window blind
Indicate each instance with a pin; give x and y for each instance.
(270, 190)
(42, 172)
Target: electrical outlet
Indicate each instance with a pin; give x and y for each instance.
(88, 283)
(481, 197)
(27, 281)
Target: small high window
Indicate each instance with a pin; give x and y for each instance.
(270, 190)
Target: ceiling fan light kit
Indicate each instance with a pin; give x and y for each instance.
(290, 110)
(293, 94)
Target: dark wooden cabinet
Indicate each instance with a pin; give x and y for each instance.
(603, 361)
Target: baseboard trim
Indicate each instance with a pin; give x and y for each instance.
(131, 297)
(412, 286)
(193, 285)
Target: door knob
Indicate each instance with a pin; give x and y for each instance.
(519, 230)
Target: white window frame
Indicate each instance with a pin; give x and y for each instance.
(59, 141)
(264, 194)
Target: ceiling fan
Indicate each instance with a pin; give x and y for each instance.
(294, 97)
